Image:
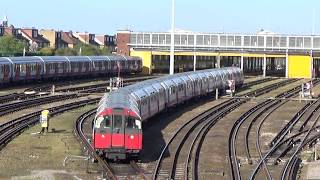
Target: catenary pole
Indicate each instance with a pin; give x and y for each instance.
(172, 39)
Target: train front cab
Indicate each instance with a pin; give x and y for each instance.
(118, 134)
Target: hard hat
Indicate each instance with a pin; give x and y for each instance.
(45, 112)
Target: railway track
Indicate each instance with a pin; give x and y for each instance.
(253, 115)
(11, 129)
(183, 157)
(16, 106)
(291, 164)
(111, 170)
(63, 87)
(282, 145)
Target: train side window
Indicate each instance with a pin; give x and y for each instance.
(23, 68)
(172, 90)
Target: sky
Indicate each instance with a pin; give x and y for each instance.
(108, 16)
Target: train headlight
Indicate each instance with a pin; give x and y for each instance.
(132, 137)
(102, 136)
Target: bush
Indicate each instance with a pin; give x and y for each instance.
(10, 46)
(65, 52)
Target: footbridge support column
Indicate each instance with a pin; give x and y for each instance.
(287, 64)
(218, 61)
(264, 65)
(194, 61)
(241, 61)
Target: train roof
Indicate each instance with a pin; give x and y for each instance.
(127, 97)
(121, 99)
(78, 58)
(111, 58)
(26, 59)
(4, 60)
(54, 58)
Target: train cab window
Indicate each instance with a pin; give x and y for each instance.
(107, 123)
(138, 124)
(98, 122)
(117, 121)
(104, 121)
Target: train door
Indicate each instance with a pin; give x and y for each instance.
(38, 70)
(28, 71)
(133, 133)
(2, 72)
(5, 72)
(65, 68)
(17, 71)
(86, 67)
(32, 70)
(118, 129)
(102, 132)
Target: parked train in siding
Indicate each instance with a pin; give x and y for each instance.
(117, 128)
(14, 69)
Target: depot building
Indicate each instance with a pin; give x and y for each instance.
(264, 53)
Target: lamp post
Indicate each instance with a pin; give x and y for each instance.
(172, 39)
(85, 37)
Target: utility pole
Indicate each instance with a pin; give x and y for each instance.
(172, 39)
(314, 21)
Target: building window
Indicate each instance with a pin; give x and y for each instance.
(35, 33)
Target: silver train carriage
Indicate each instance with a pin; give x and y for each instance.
(43, 67)
(150, 97)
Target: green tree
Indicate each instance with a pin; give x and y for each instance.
(87, 50)
(10, 46)
(105, 51)
(65, 52)
(46, 51)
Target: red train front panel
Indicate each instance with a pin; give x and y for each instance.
(117, 133)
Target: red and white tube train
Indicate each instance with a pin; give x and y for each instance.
(117, 127)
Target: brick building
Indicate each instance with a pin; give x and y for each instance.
(86, 38)
(54, 37)
(122, 40)
(106, 41)
(69, 39)
(35, 40)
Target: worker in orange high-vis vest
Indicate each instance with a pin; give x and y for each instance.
(44, 120)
